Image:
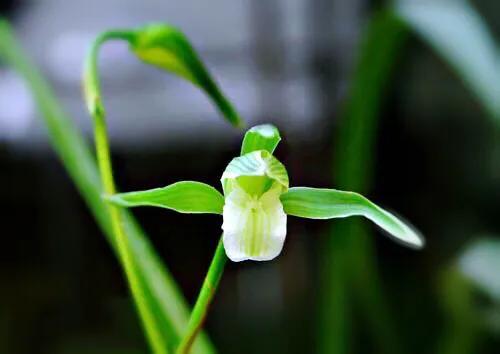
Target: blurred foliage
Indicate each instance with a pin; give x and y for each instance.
(480, 262)
(350, 273)
(162, 294)
(460, 36)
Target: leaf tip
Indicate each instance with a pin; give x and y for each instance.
(413, 238)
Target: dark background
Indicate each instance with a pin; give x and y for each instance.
(283, 62)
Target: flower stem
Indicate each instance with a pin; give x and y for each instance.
(204, 300)
(93, 97)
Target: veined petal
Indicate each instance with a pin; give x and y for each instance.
(255, 164)
(254, 227)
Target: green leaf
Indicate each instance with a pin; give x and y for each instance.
(167, 48)
(261, 137)
(183, 197)
(162, 293)
(315, 203)
(480, 263)
(345, 279)
(458, 33)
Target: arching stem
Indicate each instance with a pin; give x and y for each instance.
(94, 104)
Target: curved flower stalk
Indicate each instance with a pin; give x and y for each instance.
(255, 203)
(165, 47)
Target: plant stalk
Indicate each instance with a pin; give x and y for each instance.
(93, 97)
(205, 298)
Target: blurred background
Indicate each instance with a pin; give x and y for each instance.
(433, 156)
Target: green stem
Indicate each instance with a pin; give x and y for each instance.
(205, 297)
(93, 97)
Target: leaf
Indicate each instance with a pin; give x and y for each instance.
(480, 263)
(315, 203)
(183, 197)
(162, 293)
(458, 33)
(261, 137)
(167, 48)
(349, 281)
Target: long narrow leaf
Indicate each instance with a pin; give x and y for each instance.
(349, 267)
(163, 294)
(457, 32)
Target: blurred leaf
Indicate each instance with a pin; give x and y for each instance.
(459, 34)
(460, 334)
(163, 295)
(315, 203)
(350, 271)
(261, 137)
(467, 318)
(481, 264)
(183, 197)
(167, 48)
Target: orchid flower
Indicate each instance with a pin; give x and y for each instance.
(257, 199)
(256, 195)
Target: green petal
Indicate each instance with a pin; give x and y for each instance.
(314, 203)
(254, 226)
(261, 137)
(167, 48)
(183, 197)
(255, 164)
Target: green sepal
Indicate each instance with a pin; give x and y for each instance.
(261, 137)
(168, 48)
(316, 203)
(184, 197)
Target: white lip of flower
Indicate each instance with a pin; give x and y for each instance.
(254, 222)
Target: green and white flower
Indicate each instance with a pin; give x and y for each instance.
(257, 200)
(254, 222)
